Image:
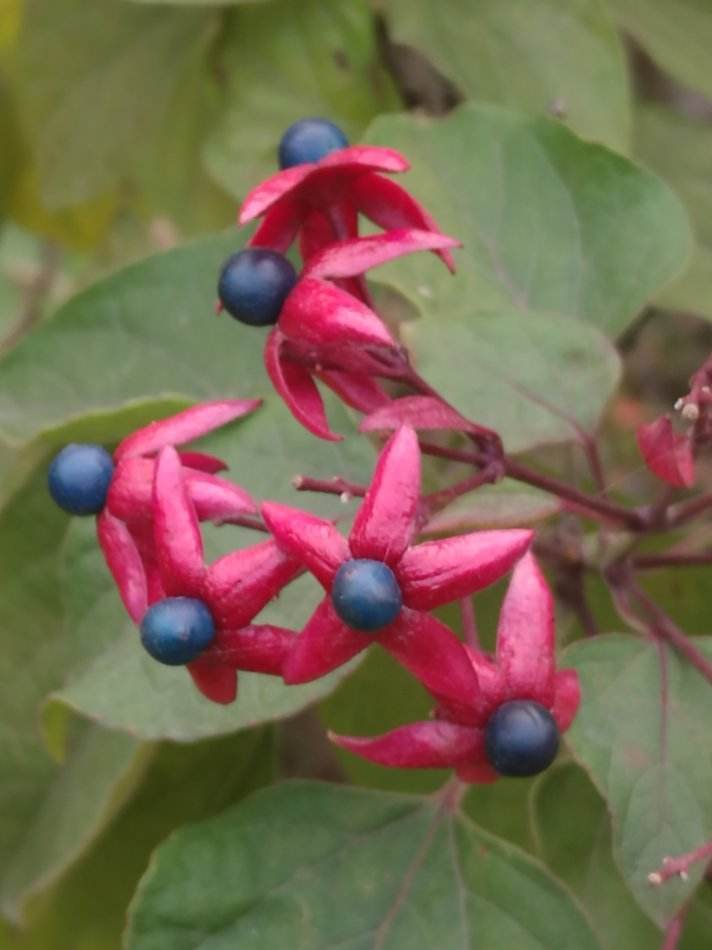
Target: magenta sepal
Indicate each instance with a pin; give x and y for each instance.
(421, 745)
(357, 390)
(668, 454)
(124, 561)
(354, 257)
(320, 184)
(203, 462)
(179, 546)
(524, 669)
(131, 491)
(423, 413)
(184, 426)
(427, 574)
(390, 206)
(526, 637)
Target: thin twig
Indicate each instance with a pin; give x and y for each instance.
(680, 865)
(646, 562)
(686, 511)
(330, 486)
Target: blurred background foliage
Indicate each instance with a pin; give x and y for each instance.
(129, 128)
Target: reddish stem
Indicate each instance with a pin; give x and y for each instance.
(680, 865)
(646, 562)
(329, 486)
(439, 499)
(673, 930)
(689, 510)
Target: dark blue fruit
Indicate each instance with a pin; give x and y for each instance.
(366, 594)
(254, 284)
(175, 630)
(521, 738)
(308, 140)
(79, 478)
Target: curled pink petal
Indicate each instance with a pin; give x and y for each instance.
(203, 462)
(420, 745)
(357, 390)
(271, 190)
(324, 644)
(433, 654)
(438, 572)
(477, 773)
(668, 454)
(356, 256)
(525, 635)
(130, 494)
(295, 385)
(184, 426)
(215, 681)
(142, 533)
(567, 698)
(390, 206)
(385, 523)
(279, 227)
(318, 314)
(240, 584)
(124, 561)
(179, 546)
(367, 157)
(216, 499)
(314, 542)
(256, 649)
(421, 412)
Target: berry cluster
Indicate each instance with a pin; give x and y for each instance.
(493, 716)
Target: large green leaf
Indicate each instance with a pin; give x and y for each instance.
(642, 734)
(48, 813)
(573, 832)
(676, 33)
(181, 784)
(532, 54)
(678, 148)
(549, 222)
(97, 79)
(314, 866)
(285, 60)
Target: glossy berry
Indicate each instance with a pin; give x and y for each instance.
(175, 630)
(521, 738)
(308, 140)
(366, 595)
(254, 284)
(79, 478)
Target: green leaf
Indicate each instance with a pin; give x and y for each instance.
(371, 869)
(642, 734)
(181, 784)
(573, 831)
(286, 60)
(507, 504)
(498, 368)
(146, 332)
(678, 148)
(549, 222)
(48, 813)
(536, 55)
(120, 66)
(676, 33)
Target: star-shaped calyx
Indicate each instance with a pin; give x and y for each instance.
(379, 585)
(192, 613)
(510, 724)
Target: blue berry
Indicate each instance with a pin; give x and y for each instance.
(79, 478)
(366, 595)
(254, 284)
(175, 630)
(521, 738)
(308, 140)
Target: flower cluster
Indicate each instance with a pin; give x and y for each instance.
(493, 716)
